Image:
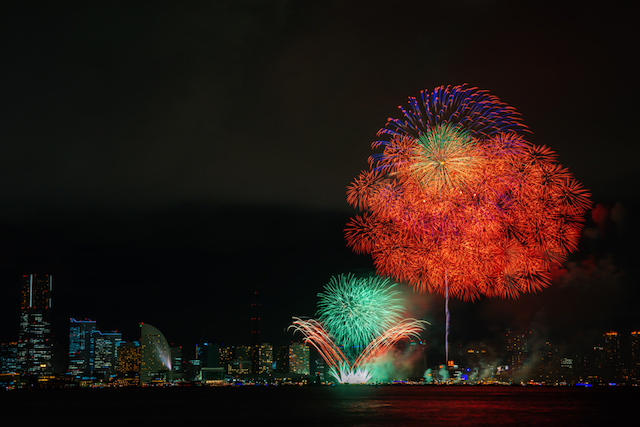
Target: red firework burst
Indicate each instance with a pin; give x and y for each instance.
(455, 205)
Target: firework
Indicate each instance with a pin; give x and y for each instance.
(345, 374)
(359, 320)
(316, 335)
(456, 193)
(458, 203)
(355, 310)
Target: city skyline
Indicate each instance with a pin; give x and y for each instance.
(93, 355)
(163, 165)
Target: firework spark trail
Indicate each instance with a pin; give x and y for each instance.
(458, 203)
(340, 367)
(316, 335)
(356, 313)
(408, 328)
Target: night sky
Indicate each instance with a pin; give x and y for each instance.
(164, 161)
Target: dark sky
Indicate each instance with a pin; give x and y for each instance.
(165, 160)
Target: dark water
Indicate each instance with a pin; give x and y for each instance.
(332, 406)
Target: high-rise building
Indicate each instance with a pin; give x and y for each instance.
(243, 352)
(155, 358)
(227, 355)
(281, 359)
(34, 349)
(209, 354)
(177, 370)
(299, 359)
(92, 353)
(634, 362)
(264, 359)
(81, 347)
(241, 364)
(128, 359)
(9, 358)
(106, 352)
(519, 349)
(549, 363)
(612, 360)
(255, 334)
(255, 320)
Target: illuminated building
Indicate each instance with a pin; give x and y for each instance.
(34, 349)
(210, 354)
(612, 359)
(128, 359)
(255, 334)
(239, 367)
(9, 358)
(595, 365)
(519, 349)
(243, 352)
(212, 376)
(227, 355)
(91, 353)
(81, 347)
(255, 319)
(193, 370)
(106, 350)
(549, 363)
(634, 358)
(281, 359)
(264, 359)
(176, 363)
(299, 359)
(241, 364)
(155, 356)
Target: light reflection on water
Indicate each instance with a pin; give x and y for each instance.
(484, 405)
(333, 406)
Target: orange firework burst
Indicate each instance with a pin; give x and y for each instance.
(459, 203)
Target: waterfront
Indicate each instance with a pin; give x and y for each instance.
(339, 405)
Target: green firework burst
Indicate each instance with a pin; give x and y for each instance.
(355, 310)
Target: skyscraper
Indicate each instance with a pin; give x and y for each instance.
(519, 349)
(81, 347)
(612, 366)
(299, 359)
(264, 359)
(91, 353)
(255, 334)
(35, 340)
(155, 360)
(209, 354)
(634, 357)
(106, 351)
(128, 360)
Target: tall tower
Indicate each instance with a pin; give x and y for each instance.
(635, 358)
(612, 368)
(81, 347)
(34, 339)
(255, 320)
(255, 333)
